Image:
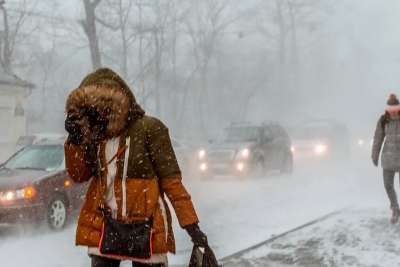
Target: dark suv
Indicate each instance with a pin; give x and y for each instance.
(248, 149)
(35, 187)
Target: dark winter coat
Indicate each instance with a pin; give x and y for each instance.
(152, 170)
(387, 134)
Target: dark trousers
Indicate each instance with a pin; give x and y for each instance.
(105, 262)
(388, 180)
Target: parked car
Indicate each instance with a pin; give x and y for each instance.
(34, 186)
(248, 149)
(27, 140)
(321, 139)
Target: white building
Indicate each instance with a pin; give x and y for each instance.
(13, 95)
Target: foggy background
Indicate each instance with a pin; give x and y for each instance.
(201, 64)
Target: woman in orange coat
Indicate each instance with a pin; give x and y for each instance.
(131, 165)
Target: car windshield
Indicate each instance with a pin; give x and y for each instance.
(311, 133)
(37, 157)
(25, 141)
(242, 134)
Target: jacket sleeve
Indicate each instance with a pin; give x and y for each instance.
(379, 137)
(167, 169)
(75, 162)
(180, 200)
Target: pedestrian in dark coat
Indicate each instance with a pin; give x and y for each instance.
(387, 135)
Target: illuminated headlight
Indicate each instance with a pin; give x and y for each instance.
(240, 166)
(292, 149)
(202, 154)
(320, 149)
(203, 167)
(8, 196)
(25, 193)
(360, 142)
(245, 153)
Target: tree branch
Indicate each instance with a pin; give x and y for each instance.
(107, 25)
(95, 3)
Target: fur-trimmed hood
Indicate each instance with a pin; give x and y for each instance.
(108, 93)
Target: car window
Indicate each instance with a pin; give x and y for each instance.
(242, 134)
(268, 133)
(275, 131)
(38, 157)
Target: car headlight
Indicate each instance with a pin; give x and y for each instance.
(240, 166)
(203, 167)
(320, 149)
(8, 196)
(25, 193)
(293, 149)
(202, 154)
(360, 142)
(243, 154)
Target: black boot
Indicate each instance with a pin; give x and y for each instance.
(395, 215)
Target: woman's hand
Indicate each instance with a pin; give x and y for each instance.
(199, 238)
(85, 129)
(73, 127)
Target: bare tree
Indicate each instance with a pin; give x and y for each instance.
(281, 22)
(89, 26)
(10, 34)
(205, 28)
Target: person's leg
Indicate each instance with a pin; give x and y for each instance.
(388, 178)
(104, 262)
(138, 264)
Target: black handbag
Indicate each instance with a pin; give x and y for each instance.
(124, 240)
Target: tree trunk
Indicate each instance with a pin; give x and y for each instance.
(6, 53)
(157, 74)
(89, 26)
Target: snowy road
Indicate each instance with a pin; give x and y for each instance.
(235, 213)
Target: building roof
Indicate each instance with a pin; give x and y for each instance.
(11, 84)
(14, 80)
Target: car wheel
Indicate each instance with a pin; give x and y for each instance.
(57, 213)
(287, 165)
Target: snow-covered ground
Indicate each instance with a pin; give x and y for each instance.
(235, 213)
(363, 238)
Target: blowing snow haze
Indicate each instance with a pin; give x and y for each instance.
(220, 60)
(299, 84)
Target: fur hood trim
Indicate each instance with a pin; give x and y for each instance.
(108, 93)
